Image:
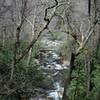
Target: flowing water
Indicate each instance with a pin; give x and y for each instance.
(52, 64)
(50, 61)
(57, 93)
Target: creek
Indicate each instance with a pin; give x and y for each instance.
(50, 62)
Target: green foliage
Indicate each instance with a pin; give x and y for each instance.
(27, 77)
(10, 97)
(96, 78)
(5, 56)
(77, 89)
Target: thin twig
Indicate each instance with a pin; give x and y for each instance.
(32, 44)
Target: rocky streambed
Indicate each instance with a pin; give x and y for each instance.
(51, 64)
(52, 67)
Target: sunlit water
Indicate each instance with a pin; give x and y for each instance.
(57, 93)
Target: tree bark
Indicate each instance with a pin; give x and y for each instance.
(68, 77)
(89, 7)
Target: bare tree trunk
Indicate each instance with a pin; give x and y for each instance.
(17, 41)
(88, 78)
(3, 37)
(98, 46)
(68, 77)
(16, 45)
(32, 35)
(89, 7)
(89, 67)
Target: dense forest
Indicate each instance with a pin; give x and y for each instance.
(49, 49)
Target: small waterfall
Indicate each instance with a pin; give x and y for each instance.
(56, 94)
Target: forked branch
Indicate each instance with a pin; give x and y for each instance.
(32, 44)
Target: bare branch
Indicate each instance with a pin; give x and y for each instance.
(17, 42)
(32, 44)
(85, 41)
